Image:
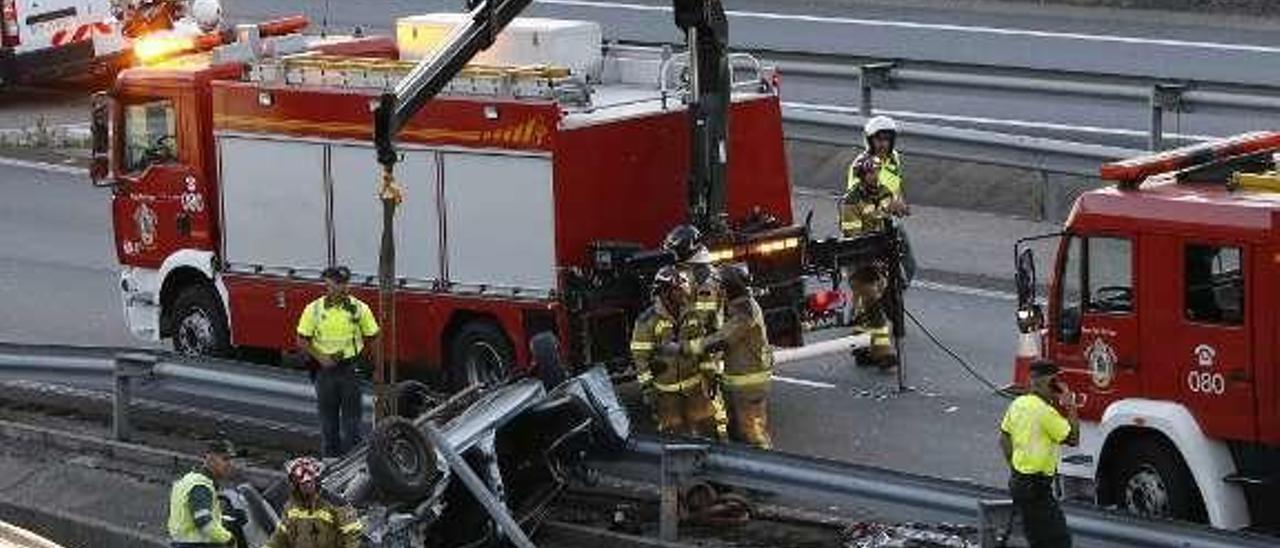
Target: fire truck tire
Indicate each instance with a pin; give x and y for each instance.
(199, 323)
(401, 463)
(479, 353)
(1151, 480)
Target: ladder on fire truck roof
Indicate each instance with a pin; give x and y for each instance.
(310, 69)
(1130, 173)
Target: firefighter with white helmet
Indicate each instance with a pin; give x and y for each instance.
(681, 392)
(881, 134)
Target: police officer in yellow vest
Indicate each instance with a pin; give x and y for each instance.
(685, 243)
(1030, 433)
(881, 133)
(195, 513)
(335, 330)
(869, 207)
(748, 360)
(681, 391)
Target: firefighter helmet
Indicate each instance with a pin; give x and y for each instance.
(735, 279)
(684, 241)
(304, 470)
(879, 124)
(865, 166)
(670, 277)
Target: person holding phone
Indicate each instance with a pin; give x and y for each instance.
(335, 330)
(1033, 428)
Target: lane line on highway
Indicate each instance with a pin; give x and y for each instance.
(43, 166)
(965, 290)
(1128, 40)
(803, 382)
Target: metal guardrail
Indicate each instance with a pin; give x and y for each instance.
(1156, 96)
(784, 473)
(790, 476)
(837, 126)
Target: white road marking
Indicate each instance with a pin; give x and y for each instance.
(996, 121)
(803, 382)
(44, 166)
(964, 290)
(998, 31)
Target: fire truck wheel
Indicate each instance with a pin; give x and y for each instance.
(479, 354)
(1150, 480)
(401, 463)
(199, 324)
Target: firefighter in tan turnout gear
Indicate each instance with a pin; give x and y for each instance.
(867, 207)
(685, 244)
(679, 386)
(748, 360)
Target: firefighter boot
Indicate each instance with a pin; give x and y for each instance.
(749, 418)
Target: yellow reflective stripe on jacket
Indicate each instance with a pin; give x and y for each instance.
(681, 386)
(747, 380)
(319, 514)
(353, 527)
(644, 377)
(706, 305)
(637, 346)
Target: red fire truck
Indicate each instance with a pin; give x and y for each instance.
(535, 188)
(1162, 313)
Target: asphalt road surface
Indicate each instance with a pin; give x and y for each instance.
(58, 285)
(1173, 48)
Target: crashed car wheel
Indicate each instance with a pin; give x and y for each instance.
(401, 462)
(414, 398)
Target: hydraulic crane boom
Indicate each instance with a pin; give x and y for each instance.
(394, 109)
(707, 36)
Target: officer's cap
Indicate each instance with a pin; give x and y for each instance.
(1043, 368)
(340, 274)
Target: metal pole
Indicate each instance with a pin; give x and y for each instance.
(669, 500)
(127, 366)
(501, 516)
(1156, 139)
(1039, 191)
(864, 103)
(120, 408)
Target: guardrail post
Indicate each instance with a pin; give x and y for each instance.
(128, 366)
(870, 76)
(1039, 192)
(1164, 98)
(679, 462)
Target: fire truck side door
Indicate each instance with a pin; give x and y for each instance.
(1096, 327)
(1210, 343)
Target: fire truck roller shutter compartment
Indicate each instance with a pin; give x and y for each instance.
(357, 212)
(274, 207)
(500, 220)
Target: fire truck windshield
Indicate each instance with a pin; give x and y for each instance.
(149, 135)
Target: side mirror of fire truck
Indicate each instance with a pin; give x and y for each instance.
(1029, 314)
(100, 160)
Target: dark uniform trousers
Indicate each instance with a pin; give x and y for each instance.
(338, 400)
(1042, 520)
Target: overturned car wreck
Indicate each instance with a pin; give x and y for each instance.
(480, 466)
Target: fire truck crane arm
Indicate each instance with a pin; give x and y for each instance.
(397, 107)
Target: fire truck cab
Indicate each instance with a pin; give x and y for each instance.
(1162, 313)
(239, 174)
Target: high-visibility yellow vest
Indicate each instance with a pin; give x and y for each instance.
(1036, 430)
(182, 524)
